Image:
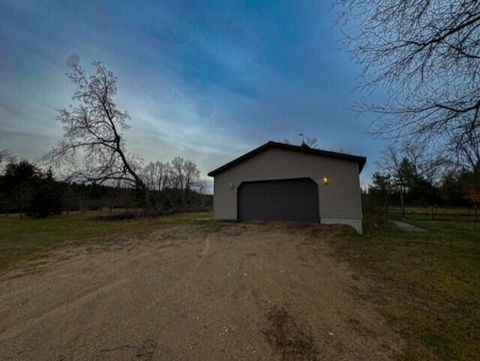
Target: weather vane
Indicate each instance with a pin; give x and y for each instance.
(303, 137)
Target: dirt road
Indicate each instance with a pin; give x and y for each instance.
(244, 292)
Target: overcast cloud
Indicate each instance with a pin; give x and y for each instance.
(202, 80)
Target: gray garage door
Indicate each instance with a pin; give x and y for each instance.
(284, 200)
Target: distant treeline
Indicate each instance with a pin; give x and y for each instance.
(405, 186)
(26, 188)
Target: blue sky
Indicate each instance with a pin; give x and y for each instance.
(205, 80)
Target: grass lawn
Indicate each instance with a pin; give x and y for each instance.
(432, 283)
(23, 239)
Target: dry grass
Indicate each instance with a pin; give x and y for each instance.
(25, 239)
(432, 283)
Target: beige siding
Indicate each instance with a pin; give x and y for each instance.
(340, 199)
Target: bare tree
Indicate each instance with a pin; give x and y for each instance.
(391, 165)
(177, 173)
(180, 174)
(466, 147)
(156, 175)
(201, 185)
(5, 157)
(3, 154)
(407, 163)
(427, 163)
(426, 55)
(191, 174)
(309, 141)
(93, 143)
(168, 178)
(312, 142)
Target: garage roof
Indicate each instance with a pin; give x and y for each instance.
(295, 148)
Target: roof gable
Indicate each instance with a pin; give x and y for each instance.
(295, 148)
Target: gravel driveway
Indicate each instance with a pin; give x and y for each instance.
(241, 292)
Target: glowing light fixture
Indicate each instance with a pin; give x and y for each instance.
(325, 181)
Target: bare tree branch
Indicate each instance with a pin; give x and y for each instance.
(93, 143)
(5, 157)
(426, 55)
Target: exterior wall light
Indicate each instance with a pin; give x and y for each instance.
(231, 186)
(325, 181)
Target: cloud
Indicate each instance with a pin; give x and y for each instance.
(204, 80)
(26, 145)
(205, 108)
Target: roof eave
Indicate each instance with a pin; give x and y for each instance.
(349, 157)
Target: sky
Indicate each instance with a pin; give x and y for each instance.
(204, 80)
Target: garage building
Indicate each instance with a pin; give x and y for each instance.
(279, 181)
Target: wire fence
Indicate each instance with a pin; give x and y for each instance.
(457, 214)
